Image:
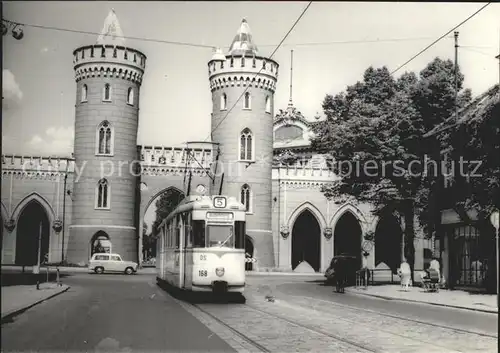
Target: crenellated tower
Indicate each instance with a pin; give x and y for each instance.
(108, 77)
(244, 79)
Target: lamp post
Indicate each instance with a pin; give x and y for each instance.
(64, 215)
(16, 29)
(494, 219)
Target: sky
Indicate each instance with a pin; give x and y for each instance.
(40, 92)
(38, 78)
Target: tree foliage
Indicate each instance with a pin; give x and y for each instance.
(476, 139)
(375, 133)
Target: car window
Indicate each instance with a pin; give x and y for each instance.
(115, 258)
(101, 257)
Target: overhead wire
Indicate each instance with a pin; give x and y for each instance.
(106, 35)
(437, 40)
(206, 46)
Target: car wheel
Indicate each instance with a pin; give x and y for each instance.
(129, 270)
(99, 270)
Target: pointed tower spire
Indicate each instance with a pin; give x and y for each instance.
(242, 43)
(111, 32)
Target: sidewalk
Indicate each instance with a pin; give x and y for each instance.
(18, 298)
(455, 299)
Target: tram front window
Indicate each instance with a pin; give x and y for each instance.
(219, 235)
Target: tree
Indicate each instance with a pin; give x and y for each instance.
(476, 138)
(374, 132)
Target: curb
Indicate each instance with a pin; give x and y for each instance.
(488, 311)
(256, 273)
(15, 312)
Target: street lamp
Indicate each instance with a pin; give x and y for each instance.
(16, 29)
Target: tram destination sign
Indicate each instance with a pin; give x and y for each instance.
(223, 216)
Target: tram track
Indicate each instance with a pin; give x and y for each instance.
(397, 317)
(337, 338)
(406, 335)
(240, 320)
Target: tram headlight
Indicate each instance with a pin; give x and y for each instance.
(219, 271)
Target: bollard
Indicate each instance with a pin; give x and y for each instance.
(58, 280)
(37, 285)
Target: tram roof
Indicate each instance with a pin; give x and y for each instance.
(198, 202)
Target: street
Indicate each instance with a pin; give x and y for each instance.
(132, 314)
(109, 313)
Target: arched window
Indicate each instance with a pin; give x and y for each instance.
(245, 197)
(232, 62)
(102, 194)
(268, 104)
(106, 94)
(223, 102)
(243, 61)
(84, 93)
(246, 145)
(104, 138)
(254, 62)
(248, 101)
(130, 96)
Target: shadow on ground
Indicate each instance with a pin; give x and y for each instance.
(202, 297)
(23, 279)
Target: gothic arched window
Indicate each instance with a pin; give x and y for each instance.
(248, 101)
(84, 93)
(130, 96)
(245, 197)
(223, 102)
(246, 145)
(102, 194)
(104, 138)
(268, 104)
(106, 96)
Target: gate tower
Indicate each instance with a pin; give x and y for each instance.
(108, 77)
(245, 133)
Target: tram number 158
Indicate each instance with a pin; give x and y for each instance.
(202, 273)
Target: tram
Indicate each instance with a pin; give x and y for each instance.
(201, 247)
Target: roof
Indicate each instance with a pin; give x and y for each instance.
(111, 33)
(243, 43)
(474, 112)
(290, 115)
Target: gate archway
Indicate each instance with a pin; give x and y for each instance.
(160, 204)
(306, 238)
(388, 242)
(28, 232)
(100, 243)
(249, 249)
(347, 237)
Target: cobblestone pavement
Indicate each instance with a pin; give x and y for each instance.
(299, 324)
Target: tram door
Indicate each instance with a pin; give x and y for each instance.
(187, 252)
(181, 251)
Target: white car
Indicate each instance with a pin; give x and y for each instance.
(100, 263)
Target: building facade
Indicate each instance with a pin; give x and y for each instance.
(261, 157)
